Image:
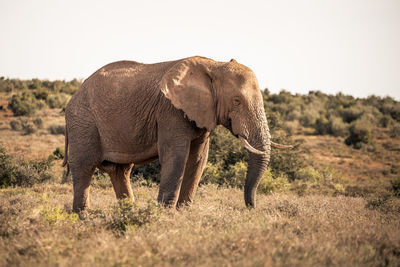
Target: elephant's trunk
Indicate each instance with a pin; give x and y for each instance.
(255, 171)
(257, 164)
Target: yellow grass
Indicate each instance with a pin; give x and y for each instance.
(217, 230)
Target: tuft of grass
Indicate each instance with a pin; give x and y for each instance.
(126, 215)
(58, 153)
(395, 183)
(17, 125)
(54, 215)
(29, 129)
(57, 129)
(26, 126)
(38, 122)
(383, 202)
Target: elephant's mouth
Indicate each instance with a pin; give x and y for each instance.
(229, 127)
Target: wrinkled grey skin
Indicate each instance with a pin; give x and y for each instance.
(131, 113)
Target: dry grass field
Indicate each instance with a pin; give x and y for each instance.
(37, 228)
(353, 221)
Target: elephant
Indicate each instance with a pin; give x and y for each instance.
(130, 113)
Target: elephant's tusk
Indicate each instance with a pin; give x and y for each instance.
(279, 146)
(249, 147)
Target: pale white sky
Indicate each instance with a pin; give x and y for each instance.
(351, 46)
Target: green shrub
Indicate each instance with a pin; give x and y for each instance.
(227, 161)
(386, 121)
(322, 125)
(211, 174)
(5, 85)
(57, 129)
(309, 117)
(8, 169)
(394, 131)
(17, 125)
(235, 175)
(360, 133)
(390, 107)
(41, 94)
(29, 128)
(38, 122)
(150, 172)
(282, 97)
(352, 113)
(396, 186)
(58, 153)
(23, 173)
(59, 100)
(283, 163)
(270, 184)
(54, 215)
(22, 124)
(35, 172)
(34, 84)
(24, 104)
(309, 174)
(225, 149)
(70, 87)
(286, 163)
(338, 127)
(126, 215)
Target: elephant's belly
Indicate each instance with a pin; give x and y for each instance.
(142, 156)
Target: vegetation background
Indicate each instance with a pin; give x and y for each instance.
(332, 200)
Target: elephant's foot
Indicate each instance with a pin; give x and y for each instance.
(182, 204)
(167, 200)
(80, 204)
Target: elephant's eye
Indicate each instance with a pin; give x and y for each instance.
(236, 101)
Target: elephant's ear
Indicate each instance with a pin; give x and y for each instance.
(188, 86)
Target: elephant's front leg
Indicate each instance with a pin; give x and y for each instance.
(173, 154)
(194, 168)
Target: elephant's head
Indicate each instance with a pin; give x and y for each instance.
(223, 93)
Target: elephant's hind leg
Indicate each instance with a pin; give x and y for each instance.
(81, 176)
(83, 157)
(194, 168)
(120, 178)
(82, 170)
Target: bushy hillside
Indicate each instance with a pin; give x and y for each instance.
(331, 200)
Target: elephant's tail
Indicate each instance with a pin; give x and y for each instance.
(65, 162)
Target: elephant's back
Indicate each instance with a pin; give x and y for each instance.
(119, 69)
(123, 98)
(125, 77)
